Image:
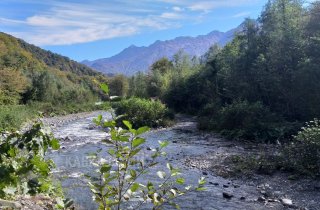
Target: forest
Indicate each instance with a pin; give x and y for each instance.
(263, 86)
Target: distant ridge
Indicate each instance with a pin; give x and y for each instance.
(134, 59)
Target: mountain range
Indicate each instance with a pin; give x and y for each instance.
(134, 59)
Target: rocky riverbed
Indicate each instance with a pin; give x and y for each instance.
(196, 153)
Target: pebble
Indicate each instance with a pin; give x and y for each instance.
(242, 198)
(225, 186)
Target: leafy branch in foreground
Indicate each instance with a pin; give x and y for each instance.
(23, 168)
(124, 177)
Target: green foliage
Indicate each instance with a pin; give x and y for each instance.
(121, 180)
(32, 74)
(271, 65)
(119, 86)
(164, 75)
(303, 154)
(244, 120)
(12, 117)
(12, 85)
(23, 168)
(138, 86)
(143, 112)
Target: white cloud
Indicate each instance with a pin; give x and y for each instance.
(241, 14)
(210, 5)
(69, 23)
(79, 23)
(177, 9)
(171, 15)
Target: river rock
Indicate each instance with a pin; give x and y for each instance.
(227, 195)
(286, 202)
(236, 186)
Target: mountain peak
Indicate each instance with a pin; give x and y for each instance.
(132, 46)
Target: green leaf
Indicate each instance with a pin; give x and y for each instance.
(202, 181)
(98, 120)
(133, 173)
(163, 144)
(134, 152)
(109, 124)
(137, 142)
(142, 130)
(128, 124)
(134, 187)
(150, 186)
(55, 144)
(40, 165)
(105, 88)
(111, 151)
(201, 189)
(180, 181)
(161, 174)
(105, 168)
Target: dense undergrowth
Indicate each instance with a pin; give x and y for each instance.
(143, 112)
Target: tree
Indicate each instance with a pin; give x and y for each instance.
(119, 86)
(12, 85)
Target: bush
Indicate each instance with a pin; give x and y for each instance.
(242, 120)
(12, 117)
(143, 112)
(303, 154)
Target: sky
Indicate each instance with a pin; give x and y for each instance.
(92, 29)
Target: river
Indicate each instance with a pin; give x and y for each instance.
(79, 138)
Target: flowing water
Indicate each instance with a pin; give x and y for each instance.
(79, 138)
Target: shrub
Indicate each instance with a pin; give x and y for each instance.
(242, 120)
(303, 154)
(24, 170)
(144, 112)
(12, 117)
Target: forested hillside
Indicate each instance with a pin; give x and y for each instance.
(30, 75)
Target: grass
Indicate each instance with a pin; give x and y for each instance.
(14, 116)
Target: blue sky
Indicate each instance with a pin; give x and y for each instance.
(82, 29)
